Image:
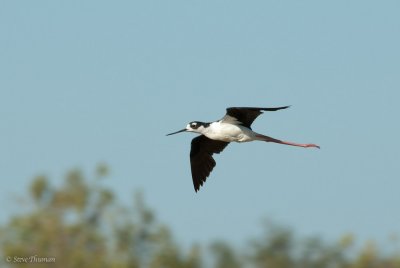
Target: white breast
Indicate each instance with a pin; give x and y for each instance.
(229, 132)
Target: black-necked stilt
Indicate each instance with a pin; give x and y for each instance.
(234, 126)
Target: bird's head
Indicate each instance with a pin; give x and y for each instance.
(194, 126)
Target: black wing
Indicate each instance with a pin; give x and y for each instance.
(201, 160)
(246, 115)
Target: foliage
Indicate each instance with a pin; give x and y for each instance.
(80, 224)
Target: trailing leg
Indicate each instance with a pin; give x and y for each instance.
(269, 139)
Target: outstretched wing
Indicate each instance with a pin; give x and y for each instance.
(201, 160)
(246, 115)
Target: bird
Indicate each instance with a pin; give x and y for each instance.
(235, 126)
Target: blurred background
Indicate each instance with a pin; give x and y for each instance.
(89, 89)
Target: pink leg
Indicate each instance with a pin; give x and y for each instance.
(269, 139)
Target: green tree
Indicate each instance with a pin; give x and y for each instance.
(225, 256)
(79, 224)
(274, 248)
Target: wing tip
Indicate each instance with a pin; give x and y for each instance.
(198, 183)
(197, 186)
(261, 109)
(277, 108)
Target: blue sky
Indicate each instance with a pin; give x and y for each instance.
(84, 82)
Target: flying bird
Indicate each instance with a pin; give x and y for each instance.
(235, 126)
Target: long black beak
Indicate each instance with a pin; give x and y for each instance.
(182, 130)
